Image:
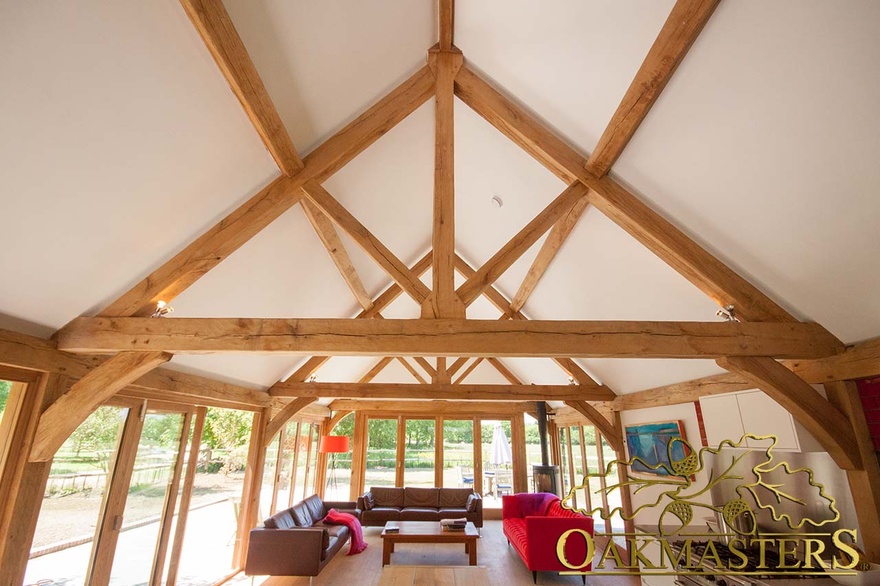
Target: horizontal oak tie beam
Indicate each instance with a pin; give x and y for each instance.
(477, 392)
(449, 337)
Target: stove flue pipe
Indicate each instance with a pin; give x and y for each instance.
(542, 432)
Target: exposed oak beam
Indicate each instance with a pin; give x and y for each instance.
(72, 408)
(655, 232)
(857, 361)
(447, 21)
(448, 337)
(412, 370)
(212, 247)
(864, 484)
(829, 426)
(476, 392)
(471, 408)
(326, 231)
(609, 431)
(684, 392)
(23, 351)
(373, 372)
(504, 371)
(444, 301)
(687, 19)
(468, 370)
(313, 364)
(367, 241)
(557, 237)
(217, 31)
(456, 366)
(432, 372)
(519, 244)
(282, 417)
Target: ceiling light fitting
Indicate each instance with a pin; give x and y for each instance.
(727, 313)
(162, 309)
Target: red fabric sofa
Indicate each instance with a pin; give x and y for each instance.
(533, 522)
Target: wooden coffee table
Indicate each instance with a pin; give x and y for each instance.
(428, 532)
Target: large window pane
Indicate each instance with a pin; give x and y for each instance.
(268, 482)
(311, 469)
(339, 465)
(497, 460)
(614, 497)
(213, 515)
(71, 506)
(381, 452)
(153, 470)
(533, 449)
(458, 453)
(418, 460)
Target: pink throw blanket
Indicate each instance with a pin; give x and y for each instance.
(358, 544)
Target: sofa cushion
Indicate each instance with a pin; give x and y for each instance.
(301, 515)
(454, 497)
(555, 510)
(340, 531)
(369, 501)
(535, 503)
(280, 520)
(316, 508)
(387, 496)
(421, 498)
(471, 503)
(329, 544)
(452, 512)
(515, 530)
(382, 514)
(419, 514)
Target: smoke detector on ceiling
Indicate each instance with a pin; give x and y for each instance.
(497, 201)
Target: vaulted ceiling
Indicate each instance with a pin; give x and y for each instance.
(122, 143)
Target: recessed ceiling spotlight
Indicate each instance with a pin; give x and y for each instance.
(497, 201)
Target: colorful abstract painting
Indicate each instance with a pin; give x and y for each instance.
(648, 442)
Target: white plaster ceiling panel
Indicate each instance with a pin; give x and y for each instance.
(389, 187)
(404, 307)
(764, 145)
(570, 61)
(283, 271)
(252, 370)
(324, 63)
(602, 273)
(340, 369)
(483, 374)
(540, 371)
(481, 308)
(628, 375)
(121, 143)
(488, 164)
(395, 372)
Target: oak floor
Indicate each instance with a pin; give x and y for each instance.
(503, 565)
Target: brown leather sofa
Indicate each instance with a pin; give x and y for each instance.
(295, 542)
(385, 503)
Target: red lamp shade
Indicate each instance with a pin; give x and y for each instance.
(333, 444)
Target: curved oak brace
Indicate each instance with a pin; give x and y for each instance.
(98, 385)
(334, 421)
(828, 425)
(276, 423)
(609, 430)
